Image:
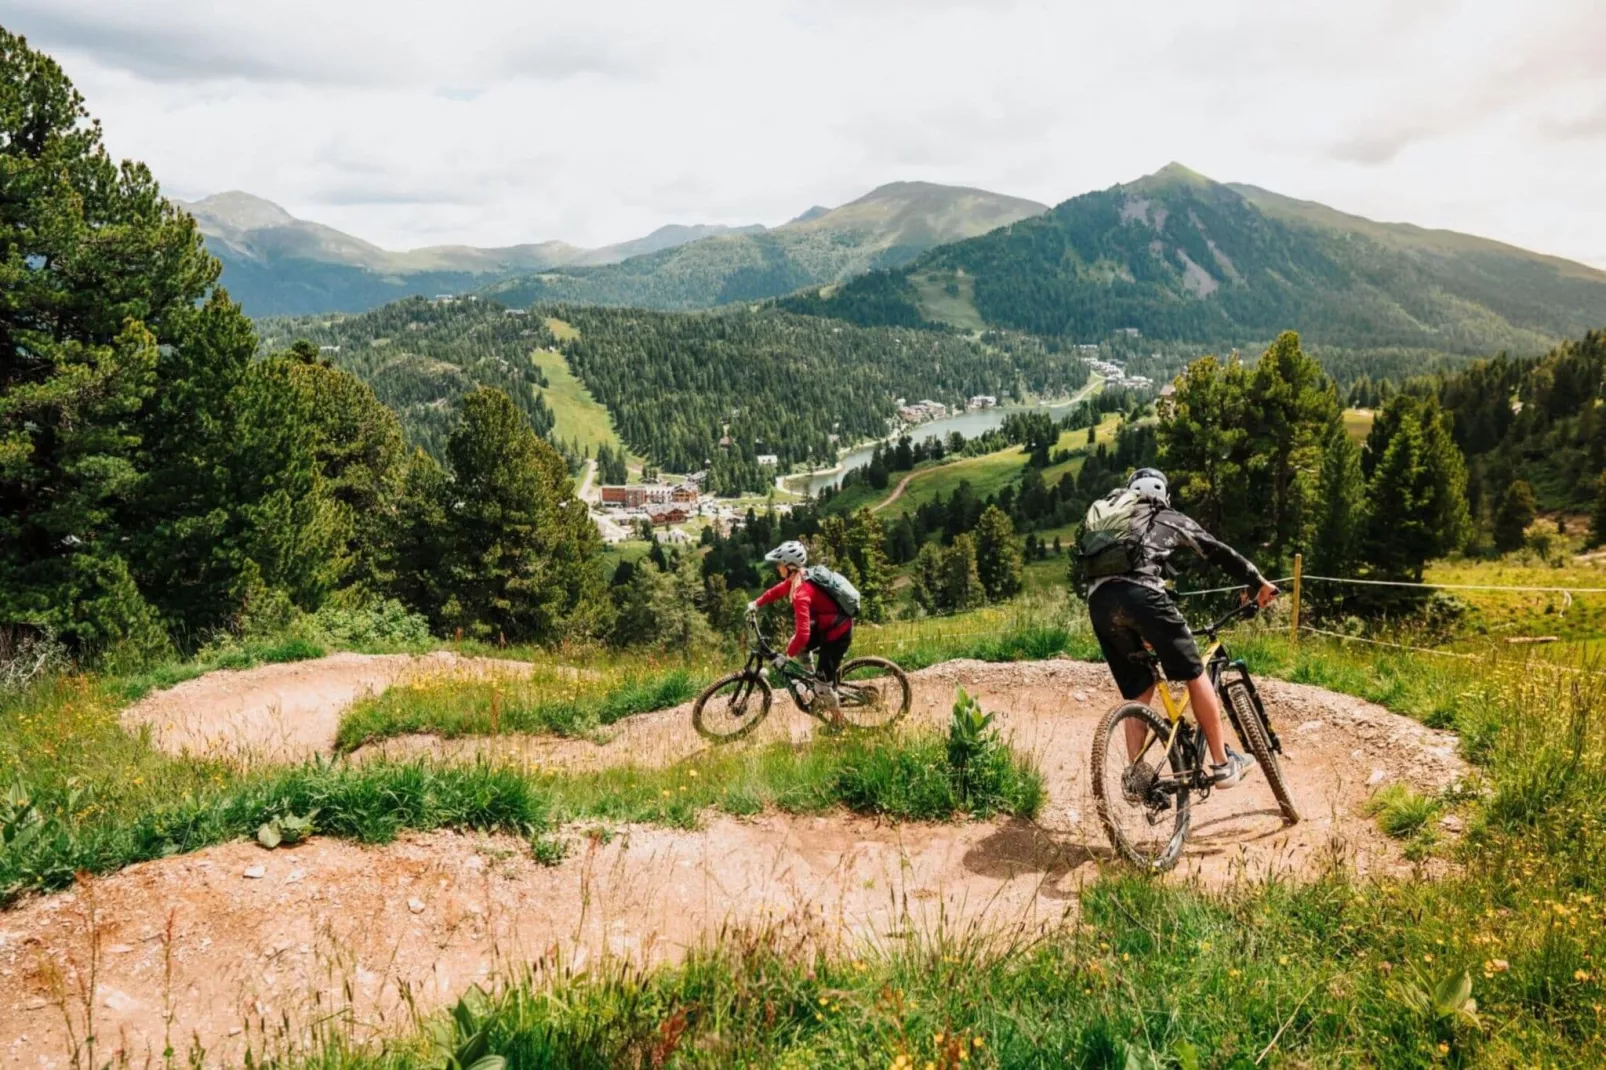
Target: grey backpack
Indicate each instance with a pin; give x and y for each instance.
(843, 593)
(1110, 543)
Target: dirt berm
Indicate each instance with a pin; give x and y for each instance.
(333, 928)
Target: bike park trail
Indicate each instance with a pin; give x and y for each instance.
(333, 927)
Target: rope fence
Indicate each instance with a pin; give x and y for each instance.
(1297, 626)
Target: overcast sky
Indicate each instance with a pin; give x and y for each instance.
(489, 122)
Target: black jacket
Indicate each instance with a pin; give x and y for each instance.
(1164, 531)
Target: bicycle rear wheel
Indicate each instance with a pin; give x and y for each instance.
(1250, 718)
(1143, 804)
(731, 707)
(874, 693)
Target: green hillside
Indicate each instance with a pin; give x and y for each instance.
(1181, 258)
(887, 227)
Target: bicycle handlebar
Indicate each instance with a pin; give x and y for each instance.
(1246, 611)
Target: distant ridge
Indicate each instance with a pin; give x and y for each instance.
(1177, 256)
(890, 225)
(276, 264)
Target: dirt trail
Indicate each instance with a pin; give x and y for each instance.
(286, 712)
(897, 492)
(433, 913)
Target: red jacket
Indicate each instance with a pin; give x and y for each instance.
(814, 611)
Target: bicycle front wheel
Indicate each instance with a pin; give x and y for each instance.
(731, 707)
(1250, 717)
(874, 693)
(1142, 795)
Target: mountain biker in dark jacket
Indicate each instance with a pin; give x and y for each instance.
(1133, 608)
(818, 622)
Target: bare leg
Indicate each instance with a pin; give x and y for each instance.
(1136, 731)
(1208, 713)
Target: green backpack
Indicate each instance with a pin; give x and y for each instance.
(1109, 543)
(842, 592)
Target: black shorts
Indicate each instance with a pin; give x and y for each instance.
(829, 662)
(1125, 616)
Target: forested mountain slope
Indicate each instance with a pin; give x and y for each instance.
(421, 358)
(1179, 257)
(677, 383)
(276, 264)
(887, 227)
(776, 383)
(1541, 421)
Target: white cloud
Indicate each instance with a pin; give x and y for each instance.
(493, 121)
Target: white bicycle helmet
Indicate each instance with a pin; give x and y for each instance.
(1150, 482)
(790, 552)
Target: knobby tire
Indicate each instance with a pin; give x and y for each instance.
(712, 718)
(1111, 733)
(865, 719)
(1252, 730)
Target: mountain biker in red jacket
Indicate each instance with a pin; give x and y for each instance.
(819, 623)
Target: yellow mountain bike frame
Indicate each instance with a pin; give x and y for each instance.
(1176, 703)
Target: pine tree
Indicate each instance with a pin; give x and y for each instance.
(864, 542)
(1416, 495)
(998, 558)
(524, 559)
(927, 574)
(961, 583)
(1291, 410)
(1341, 498)
(415, 539)
(360, 454)
(1204, 448)
(1512, 517)
(98, 276)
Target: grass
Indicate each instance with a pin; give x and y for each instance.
(578, 417)
(554, 699)
(1498, 615)
(1358, 424)
(1401, 812)
(53, 830)
(957, 309)
(242, 655)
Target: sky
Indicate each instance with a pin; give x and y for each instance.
(492, 122)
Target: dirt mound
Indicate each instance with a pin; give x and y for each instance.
(331, 927)
(285, 712)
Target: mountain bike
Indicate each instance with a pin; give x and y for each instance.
(1145, 803)
(871, 692)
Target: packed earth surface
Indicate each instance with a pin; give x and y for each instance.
(235, 946)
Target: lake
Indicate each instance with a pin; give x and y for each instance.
(970, 424)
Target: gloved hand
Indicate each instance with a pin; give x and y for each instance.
(752, 608)
(779, 661)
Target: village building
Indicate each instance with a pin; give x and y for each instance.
(625, 497)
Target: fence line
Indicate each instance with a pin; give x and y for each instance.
(1568, 591)
(1383, 642)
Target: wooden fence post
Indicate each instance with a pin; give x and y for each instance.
(1299, 566)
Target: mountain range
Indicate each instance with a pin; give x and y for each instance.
(276, 264)
(1176, 256)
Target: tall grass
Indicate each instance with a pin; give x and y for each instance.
(553, 699)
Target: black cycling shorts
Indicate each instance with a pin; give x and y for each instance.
(831, 653)
(1125, 616)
